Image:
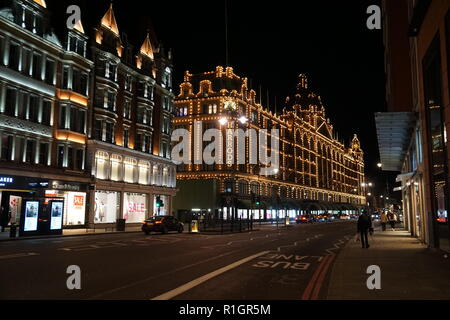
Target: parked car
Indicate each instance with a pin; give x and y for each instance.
(324, 217)
(162, 224)
(345, 216)
(354, 216)
(304, 219)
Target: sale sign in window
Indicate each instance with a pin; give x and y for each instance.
(135, 207)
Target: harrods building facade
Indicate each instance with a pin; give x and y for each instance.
(316, 171)
(85, 118)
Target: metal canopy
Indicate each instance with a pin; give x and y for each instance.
(394, 132)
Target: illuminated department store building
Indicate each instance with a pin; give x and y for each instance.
(317, 173)
(86, 119)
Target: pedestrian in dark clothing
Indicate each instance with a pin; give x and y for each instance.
(5, 216)
(364, 225)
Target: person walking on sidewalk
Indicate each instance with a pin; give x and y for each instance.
(392, 220)
(364, 225)
(383, 220)
(5, 217)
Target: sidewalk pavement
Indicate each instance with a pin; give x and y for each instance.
(4, 236)
(409, 270)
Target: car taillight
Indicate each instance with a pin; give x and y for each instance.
(158, 222)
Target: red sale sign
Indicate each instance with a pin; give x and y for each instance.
(78, 201)
(136, 207)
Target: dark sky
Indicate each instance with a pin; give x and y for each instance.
(270, 42)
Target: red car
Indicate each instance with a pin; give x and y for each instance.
(304, 219)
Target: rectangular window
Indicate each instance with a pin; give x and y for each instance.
(98, 130)
(20, 149)
(10, 103)
(7, 144)
(84, 84)
(140, 114)
(112, 72)
(50, 72)
(29, 154)
(126, 137)
(81, 121)
(80, 47)
(100, 99)
(65, 84)
(111, 101)
(33, 109)
(127, 109)
(70, 162)
(46, 112)
(60, 156)
(23, 105)
(14, 56)
(43, 153)
(76, 81)
(148, 143)
(138, 142)
(109, 132)
(37, 66)
(150, 117)
(116, 162)
(129, 167)
(128, 81)
(26, 58)
(79, 159)
(73, 119)
(63, 116)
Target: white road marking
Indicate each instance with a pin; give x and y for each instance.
(191, 284)
(18, 255)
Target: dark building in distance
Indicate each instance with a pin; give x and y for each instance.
(84, 118)
(316, 172)
(412, 135)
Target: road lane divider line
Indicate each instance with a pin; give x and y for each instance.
(191, 284)
(159, 275)
(312, 281)
(320, 280)
(18, 255)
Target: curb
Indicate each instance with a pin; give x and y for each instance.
(65, 236)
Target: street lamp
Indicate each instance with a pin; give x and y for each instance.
(379, 164)
(231, 114)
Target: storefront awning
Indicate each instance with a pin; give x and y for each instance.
(394, 132)
(403, 176)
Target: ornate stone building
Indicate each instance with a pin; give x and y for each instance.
(86, 119)
(316, 171)
(129, 145)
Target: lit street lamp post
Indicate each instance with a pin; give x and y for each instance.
(231, 115)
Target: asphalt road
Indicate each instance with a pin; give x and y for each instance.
(288, 263)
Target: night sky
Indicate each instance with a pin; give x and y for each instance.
(270, 42)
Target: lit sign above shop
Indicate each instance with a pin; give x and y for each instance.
(38, 184)
(65, 186)
(6, 180)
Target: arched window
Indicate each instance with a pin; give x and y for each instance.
(229, 186)
(254, 186)
(243, 187)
